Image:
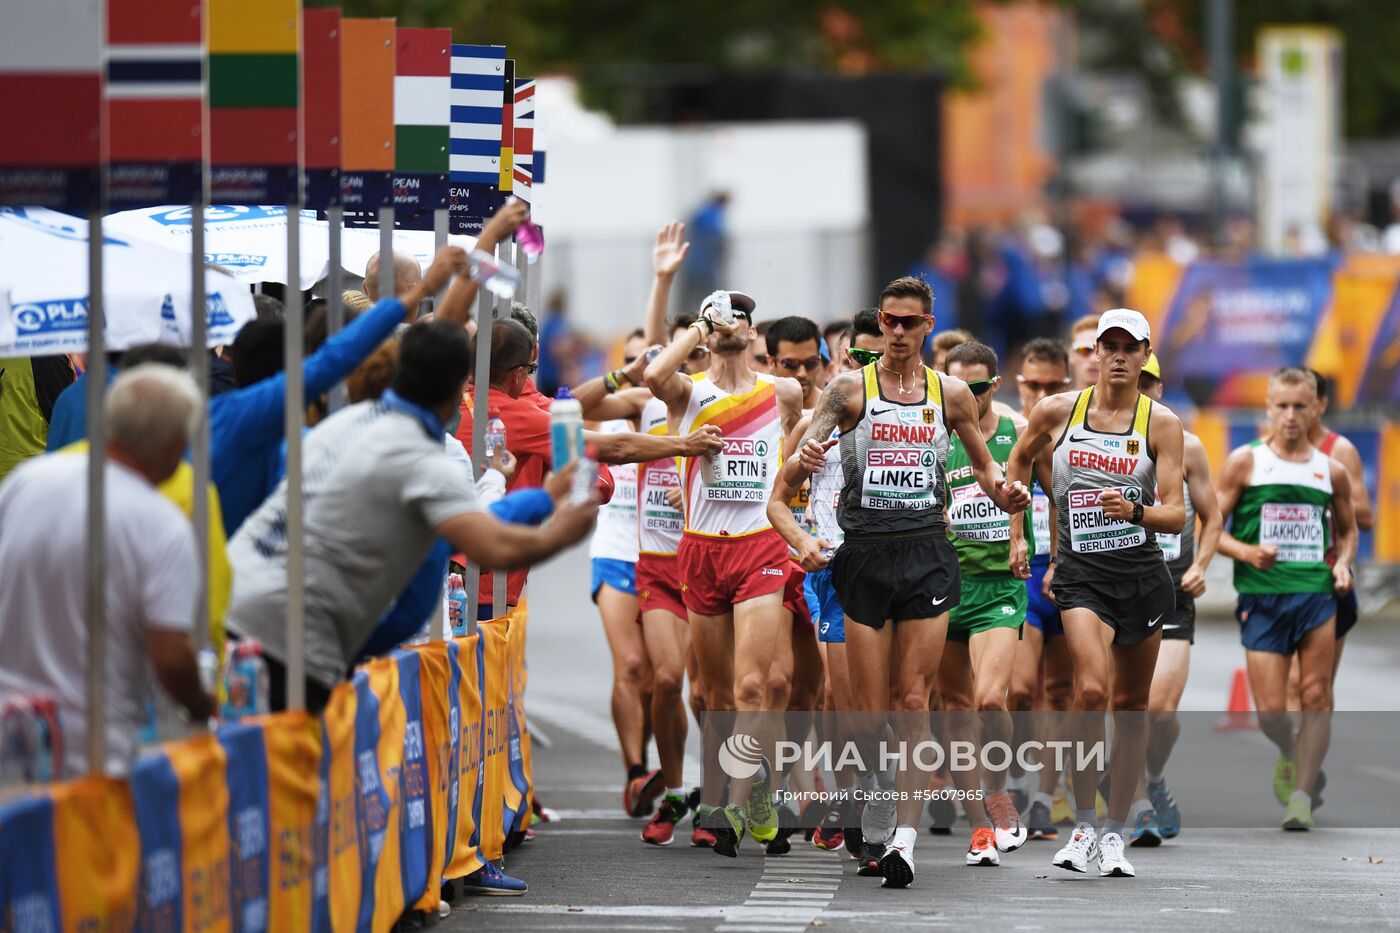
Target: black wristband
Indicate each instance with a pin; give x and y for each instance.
(1137, 513)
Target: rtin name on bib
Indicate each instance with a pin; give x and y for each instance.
(975, 517)
(739, 473)
(1295, 529)
(1092, 531)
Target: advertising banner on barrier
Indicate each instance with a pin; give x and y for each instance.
(416, 816)
(292, 744)
(442, 717)
(466, 851)
(516, 810)
(495, 698)
(337, 823)
(379, 729)
(248, 823)
(1381, 382)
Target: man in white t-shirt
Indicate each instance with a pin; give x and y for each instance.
(151, 571)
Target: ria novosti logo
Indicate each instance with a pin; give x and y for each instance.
(740, 756)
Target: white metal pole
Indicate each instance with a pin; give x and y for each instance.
(440, 218)
(501, 313)
(386, 255)
(485, 317)
(335, 286)
(295, 417)
(199, 369)
(96, 505)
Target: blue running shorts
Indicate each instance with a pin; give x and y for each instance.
(826, 610)
(621, 575)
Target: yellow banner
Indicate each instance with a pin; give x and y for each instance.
(200, 767)
(466, 855)
(343, 841)
(496, 737)
(98, 854)
(293, 742)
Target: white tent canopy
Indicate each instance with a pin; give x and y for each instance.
(146, 289)
(251, 242)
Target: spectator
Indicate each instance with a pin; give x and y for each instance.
(151, 573)
(945, 342)
(268, 308)
(379, 504)
(704, 266)
(1083, 357)
(29, 388)
(407, 275)
(759, 359)
(557, 344)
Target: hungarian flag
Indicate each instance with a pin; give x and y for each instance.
(422, 123)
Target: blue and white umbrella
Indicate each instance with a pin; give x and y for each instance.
(146, 289)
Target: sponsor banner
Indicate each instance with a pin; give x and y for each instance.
(495, 737)
(292, 747)
(516, 809)
(466, 855)
(439, 678)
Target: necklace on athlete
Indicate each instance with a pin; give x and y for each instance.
(898, 375)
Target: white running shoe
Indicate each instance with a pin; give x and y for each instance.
(877, 821)
(1011, 832)
(1082, 848)
(897, 865)
(983, 850)
(1112, 864)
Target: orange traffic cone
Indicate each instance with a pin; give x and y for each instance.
(1238, 715)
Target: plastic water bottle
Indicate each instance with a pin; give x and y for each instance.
(495, 437)
(721, 307)
(31, 745)
(457, 604)
(565, 429)
(246, 683)
(499, 278)
(585, 483)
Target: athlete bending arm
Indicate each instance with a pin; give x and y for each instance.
(1203, 500)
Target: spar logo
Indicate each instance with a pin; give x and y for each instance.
(65, 314)
(901, 457)
(745, 447)
(740, 757)
(1083, 498)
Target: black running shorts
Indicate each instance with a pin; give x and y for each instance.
(1134, 608)
(896, 578)
(1181, 624)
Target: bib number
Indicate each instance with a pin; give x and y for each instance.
(1040, 524)
(1093, 532)
(899, 478)
(739, 473)
(1170, 545)
(1296, 530)
(975, 517)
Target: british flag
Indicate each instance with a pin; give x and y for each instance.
(524, 137)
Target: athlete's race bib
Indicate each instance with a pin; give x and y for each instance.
(1296, 530)
(1170, 545)
(623, 503)
(899, 478)
(739, 473)
(658, 515)
(822, 522)
(975, 517)
(799, 506)
(1040, 524)
(1092, 532)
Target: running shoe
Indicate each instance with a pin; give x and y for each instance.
(1010, 831)
(869, 860)
(983, 850)
(942, 814)
(1019, 789)
(1285, 778)
(639, 794)
(1318, 786)
(1112, 864)
(727, 824)
(490, 881)
(1038, 823)
(897, 866)
(701, 836)
(1082, 848)
(829, 834)
(1168, 813)
(759, 812)
(1298, 815)
(662, 828)
(787, 825)
(1145, 833)
(850, 814)
(877, 822)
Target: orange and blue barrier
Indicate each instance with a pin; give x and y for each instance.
(418, 770)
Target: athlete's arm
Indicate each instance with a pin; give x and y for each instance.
(1345, 521)
(624, 405)
(632, 447)
(789, 395)
(809, 549)
(1234, 476)
(1048, 417)
(1202, 495)
(961, 409)
(834, 410)
(1345, 453)
(1169, 514)
(666, 259)
(663, 376)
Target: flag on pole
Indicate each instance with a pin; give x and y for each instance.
(254, 97)
(478, 102)
(508, 129)
(320, 83)
(154, 95)
(367, 57)
(50, 102)
(523, 154)
(422, 124)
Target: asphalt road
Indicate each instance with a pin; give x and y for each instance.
(589, 870)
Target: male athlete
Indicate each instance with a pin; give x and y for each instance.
(1277, 493)
(733, 565)
(984, 628)
(895, 574)
(1157, 816)
(1112, 448)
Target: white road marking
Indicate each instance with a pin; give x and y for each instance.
(792, 892)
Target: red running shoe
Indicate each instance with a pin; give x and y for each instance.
(640, 793)
(662, 828)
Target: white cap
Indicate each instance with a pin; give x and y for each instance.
(1124, 319)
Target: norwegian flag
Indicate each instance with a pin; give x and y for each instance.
(524, 137)
(155, 80)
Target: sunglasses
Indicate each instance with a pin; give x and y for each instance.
(698, 354)
(1048, 386)
(811, 364)
(864, 357)
(981, 386)
(909, 321)
(761, 359)
(1083, 349)
(530, 368)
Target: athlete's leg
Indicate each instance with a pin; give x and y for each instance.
(1025, 673)
(1168, 684)
(993, 654)
(919, 646)
(1057, 671)
(619, 612)
(1295, 685)
(667, 639)
(778, 681)
(758, 625)
(1089, 641)
(955, 687)
(1316, 655)
(805, 694)
(1268, 682)
(1132, 686)
(868, 663)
